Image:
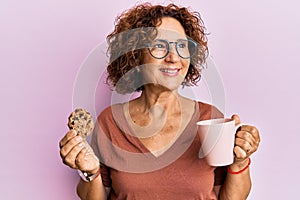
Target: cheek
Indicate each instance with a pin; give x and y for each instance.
(146, 57)
(186, 66)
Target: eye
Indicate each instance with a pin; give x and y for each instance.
(159, 46)
(182, 44)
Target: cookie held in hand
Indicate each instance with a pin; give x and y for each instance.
(81, 121)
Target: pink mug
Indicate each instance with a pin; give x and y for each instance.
(217, 140)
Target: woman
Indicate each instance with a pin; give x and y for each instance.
(148, 147)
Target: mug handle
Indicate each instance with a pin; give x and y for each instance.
(239, 126)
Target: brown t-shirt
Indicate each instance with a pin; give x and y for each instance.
(132, 172)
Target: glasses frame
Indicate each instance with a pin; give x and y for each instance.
(176, 47)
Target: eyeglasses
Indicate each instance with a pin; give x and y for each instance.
(160, 48)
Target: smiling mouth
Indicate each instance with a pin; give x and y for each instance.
(169, 71)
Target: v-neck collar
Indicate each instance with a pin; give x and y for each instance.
(182, 142)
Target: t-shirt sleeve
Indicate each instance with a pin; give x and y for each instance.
(105, 175)
(208, 111)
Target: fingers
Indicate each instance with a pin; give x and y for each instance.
(72, 156)
(68, 142)
(240, 154)
(70, 147)
(77, 153)
(236, 118)
(246, 142)
(244, 139)
(253, 131)
(243, 145)
(71, 134)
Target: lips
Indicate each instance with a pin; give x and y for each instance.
(170, 71)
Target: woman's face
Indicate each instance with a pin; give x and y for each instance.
(167, 72)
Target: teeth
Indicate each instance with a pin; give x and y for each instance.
(170, 71)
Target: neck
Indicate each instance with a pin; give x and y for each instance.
(166, 99)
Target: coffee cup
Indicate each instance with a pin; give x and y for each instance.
(217, 140)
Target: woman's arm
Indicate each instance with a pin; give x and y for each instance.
(92, 190)
(236, 186)
(238, 182)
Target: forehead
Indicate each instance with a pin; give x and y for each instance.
(170, 29)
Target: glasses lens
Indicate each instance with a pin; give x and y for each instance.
(159, 48)
(186, 48)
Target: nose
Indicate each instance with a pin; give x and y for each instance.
(172, 55)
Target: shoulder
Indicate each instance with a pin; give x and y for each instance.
(109, 111)
(110, 115)
(208, 111)
(105, 112)
(109, 121)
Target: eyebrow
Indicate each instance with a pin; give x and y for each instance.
(172, 40)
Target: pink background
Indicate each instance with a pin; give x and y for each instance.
(255, 45)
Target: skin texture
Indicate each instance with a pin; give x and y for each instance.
(160, 101)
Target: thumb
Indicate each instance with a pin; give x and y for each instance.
(236, 118)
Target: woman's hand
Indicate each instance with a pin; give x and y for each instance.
(247, 140)
(77, 153)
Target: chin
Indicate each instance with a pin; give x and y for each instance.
(171, 86)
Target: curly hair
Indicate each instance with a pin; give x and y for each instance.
(125, 45)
